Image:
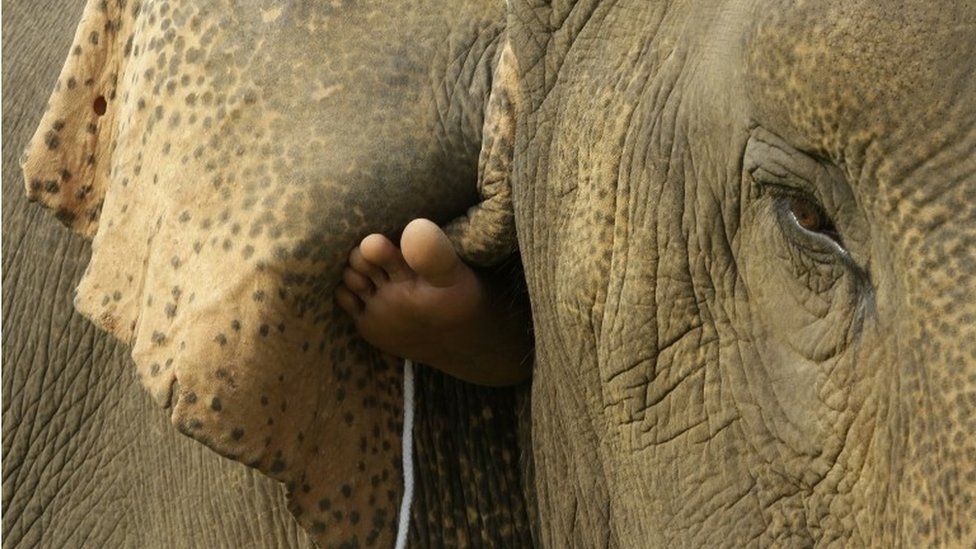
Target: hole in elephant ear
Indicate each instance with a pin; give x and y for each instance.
(100, 105)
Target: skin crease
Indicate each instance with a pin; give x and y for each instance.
(707, 373)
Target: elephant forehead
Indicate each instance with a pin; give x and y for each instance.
(837, 73)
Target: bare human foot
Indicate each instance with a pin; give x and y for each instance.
(421, 302)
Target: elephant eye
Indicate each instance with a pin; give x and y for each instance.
(811, 217)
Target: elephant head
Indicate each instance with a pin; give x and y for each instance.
(748, 235)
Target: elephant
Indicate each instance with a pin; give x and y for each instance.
(744, 228)
(89, 461)
(747, 231)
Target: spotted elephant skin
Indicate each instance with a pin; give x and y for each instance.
(224, 157)
(748, 231)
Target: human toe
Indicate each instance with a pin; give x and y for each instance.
(430, 254)
(359, 283)
(348, 301)
(378, 250)
(360, 264)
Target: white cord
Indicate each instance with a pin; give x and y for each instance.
(408, 409)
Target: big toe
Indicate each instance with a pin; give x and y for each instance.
(430, 253)
(378, 250)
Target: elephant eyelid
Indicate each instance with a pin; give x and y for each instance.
(787, 201)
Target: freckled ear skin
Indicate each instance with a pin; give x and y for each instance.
(66, 163)
(221, 220)
(485, 235)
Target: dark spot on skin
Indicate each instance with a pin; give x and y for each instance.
(264, 400)
(354, 517)
(215, 404)
(346, 490)
(237, 434)
(191, 398)
(263, 330)
(325, 504)
(221, 339)
(100, 105)
(277, 467)
(154, 369)
(318, 527)
(52, 140)
(235, 325)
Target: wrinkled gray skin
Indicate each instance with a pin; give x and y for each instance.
(90, 461)
(707, 372)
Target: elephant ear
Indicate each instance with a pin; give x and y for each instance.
(218, 237)
(66, 161)
(485, 235)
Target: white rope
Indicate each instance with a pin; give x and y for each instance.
(408, 409)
